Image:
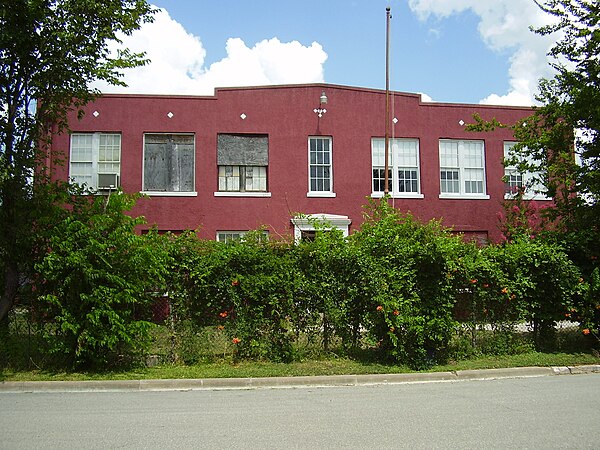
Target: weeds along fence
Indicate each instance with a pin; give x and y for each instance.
(24, 344)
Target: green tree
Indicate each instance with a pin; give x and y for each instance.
(568, 121)
(98, 281)
(50, 52)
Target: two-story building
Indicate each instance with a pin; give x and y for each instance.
(259, 156)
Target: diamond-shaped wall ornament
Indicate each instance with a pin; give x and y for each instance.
(95, 114)
(395, 120)
(461, 122)
(170, 115)
(243, 116)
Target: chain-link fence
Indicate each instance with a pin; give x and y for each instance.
(24, 343)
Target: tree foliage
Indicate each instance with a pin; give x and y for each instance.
(568, 122)
(559, 144)
(98, 281)
(50, 51)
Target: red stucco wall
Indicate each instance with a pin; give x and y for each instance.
(285, 114)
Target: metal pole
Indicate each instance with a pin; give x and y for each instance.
(387, 101)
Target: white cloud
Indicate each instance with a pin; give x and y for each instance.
(178, 62)
(504, 26)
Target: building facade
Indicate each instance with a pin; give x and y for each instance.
(274, 156)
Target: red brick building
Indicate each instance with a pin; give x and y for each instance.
(258, 156)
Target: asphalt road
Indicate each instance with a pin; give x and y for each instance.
(524, 413)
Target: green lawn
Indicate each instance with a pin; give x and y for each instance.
(331, 366)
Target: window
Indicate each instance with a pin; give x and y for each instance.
(242, 178)
(243, 160)
(462, 169)
(95, 160)
(306, 227)
(238, 236)
(403, 167)
(516, 179)
(320, 181)
(169, 164)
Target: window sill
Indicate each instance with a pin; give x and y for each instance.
(464, 197)
(169, 194)
(242, 194)
(321, 194)
(397, 195)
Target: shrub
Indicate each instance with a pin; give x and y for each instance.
(543, 284)
(244, 288)
(96, 281)
(410, 315)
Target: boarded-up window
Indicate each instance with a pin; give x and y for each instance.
(242, 150)
(169, 162)
(242, 161)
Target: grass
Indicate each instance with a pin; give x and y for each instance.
(329, 366)
(208, 353)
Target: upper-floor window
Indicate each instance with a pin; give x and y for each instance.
(320, 177)
(462, 169)
(169, 163)
(518, 178)
(95, 160)
(403, 167)
(243, 160)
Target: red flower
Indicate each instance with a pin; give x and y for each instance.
(223, 314)
(380, 308)
(396, 312)
(235, 283)
(236, 340)
(586, 331)
(474, 281)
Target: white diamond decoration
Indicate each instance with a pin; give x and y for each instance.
(170, 115)
(95, 114)
(461, 122)
(243, 116)
(395, 120)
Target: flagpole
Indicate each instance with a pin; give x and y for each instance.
(387, 101)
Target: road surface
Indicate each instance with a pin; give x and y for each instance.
(526, 413)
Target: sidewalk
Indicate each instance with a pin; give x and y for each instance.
(288, 382)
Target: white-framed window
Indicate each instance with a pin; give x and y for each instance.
(237, 236)
(169, 161)
(242, 179)
(243, 161)
(516, 179)
(320, 174)
(95, 160)
(462, 169)
(404, 178)
(307, 226)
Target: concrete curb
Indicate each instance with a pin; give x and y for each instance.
(288, 382)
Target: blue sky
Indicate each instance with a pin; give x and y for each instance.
(466, 51)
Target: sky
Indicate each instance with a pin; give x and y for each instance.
(458, 51)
